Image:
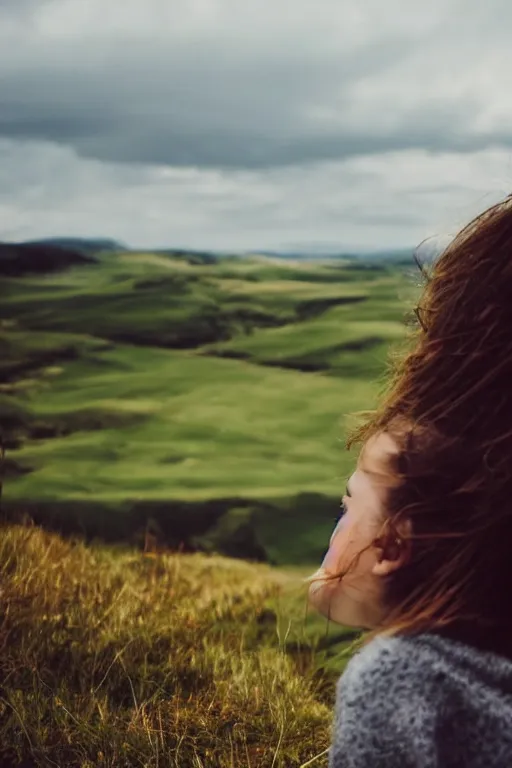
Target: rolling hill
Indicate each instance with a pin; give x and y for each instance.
(205, 398)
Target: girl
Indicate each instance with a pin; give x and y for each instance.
(422, 553)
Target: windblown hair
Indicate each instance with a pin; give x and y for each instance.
(449, 408)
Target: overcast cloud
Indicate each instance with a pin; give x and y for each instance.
(230, 124)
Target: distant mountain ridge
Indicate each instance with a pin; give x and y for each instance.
(18, 259)
(56, 253)
(319, 254)
(80, 244)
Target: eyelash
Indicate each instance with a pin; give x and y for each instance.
(343, 510)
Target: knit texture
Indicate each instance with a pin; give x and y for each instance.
(423, 702)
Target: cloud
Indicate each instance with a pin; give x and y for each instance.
(398, 199)
(236, 85)
(217, 123)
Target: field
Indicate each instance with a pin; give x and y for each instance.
(150, 389)
(178, 421)
(112, 658)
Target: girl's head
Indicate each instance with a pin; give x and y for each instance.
(359, 547)
(426, 539)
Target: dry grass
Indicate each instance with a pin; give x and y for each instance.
(110, 657)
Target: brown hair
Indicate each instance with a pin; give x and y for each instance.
(449, 408)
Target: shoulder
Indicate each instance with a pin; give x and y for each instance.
(389, 672)
(386, 704)
(395, 662)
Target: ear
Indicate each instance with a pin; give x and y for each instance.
(393, 550)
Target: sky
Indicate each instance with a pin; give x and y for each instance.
(242, 125)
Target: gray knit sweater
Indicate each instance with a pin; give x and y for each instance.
(423, 702)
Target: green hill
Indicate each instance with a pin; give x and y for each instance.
(82, 244)
(205, 398)
(32, 258)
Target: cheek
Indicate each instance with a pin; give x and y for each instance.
(342, 523)
(337, 545)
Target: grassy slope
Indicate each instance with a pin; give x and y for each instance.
(159, 300)
(141, 424)
(210, 428)
(112, 658)
(348, 340)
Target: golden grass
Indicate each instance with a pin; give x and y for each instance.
(110, 657)
(293, 288)
(153, 259)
